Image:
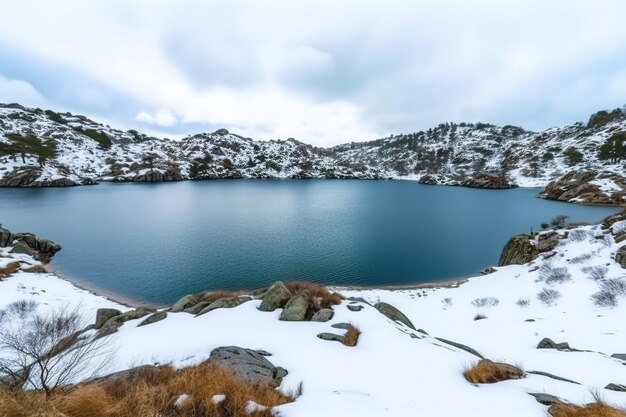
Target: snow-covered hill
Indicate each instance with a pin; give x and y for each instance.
(39, 148)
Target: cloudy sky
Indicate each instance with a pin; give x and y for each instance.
(323, 71)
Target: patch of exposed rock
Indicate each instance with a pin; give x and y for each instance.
(524, 248)
(249, 365)
(27, 243)
(588, 187)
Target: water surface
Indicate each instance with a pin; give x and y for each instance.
(157, 242)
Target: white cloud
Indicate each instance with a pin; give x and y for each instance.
(19, 91)
(161, 118)
(326, 70)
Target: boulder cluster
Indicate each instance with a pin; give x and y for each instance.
(27, 243)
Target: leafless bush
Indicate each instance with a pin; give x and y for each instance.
(447, 301)
(604, 298)
(615, 286)
(595, 273)
(48, 351)
(551, 275)
(486, 302)
(582, 258)
(578, 235)
(21, 308)
(548, 296)
(523, 302)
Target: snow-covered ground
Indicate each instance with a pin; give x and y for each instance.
(394, 370)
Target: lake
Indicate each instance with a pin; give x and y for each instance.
(158, 242)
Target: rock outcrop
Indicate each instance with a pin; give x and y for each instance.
(276, 297)
(620, 256)
(588, 187)
(249, 365)
(40, 249)
(490, 180)
(394, 314)
(524, 248)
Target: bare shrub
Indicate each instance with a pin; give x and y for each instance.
(447, 301)
(48, 351)
(351, 338)
(489, 372)
(552, 275)
(578, 235)
(595, 273)
(615, 286)
(604, 298)
(582, 258)
(548, 296)
(318, 295)
(485, 302)
(21, 308)
(523, 302)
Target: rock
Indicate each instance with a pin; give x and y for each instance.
(183, 303)
(394, 314)
(104, 314)
(620, 356)
(360, 300)
(114, 323)
(551, 376)
(489, 270)
(324, 314)
(354, 307)
(581, 187)
(620, 256)
(491, 180)
(461, 346)
(343, 326)
(332, 337)
(153, 318)
(127, 373)
(546, 399)
(616, 387)
(547, 343)
(248, 365)
(197, 308)
(228, 302)
(547, 241)
(519, 250)
(296, 309)
(23, 248)
(276, 297)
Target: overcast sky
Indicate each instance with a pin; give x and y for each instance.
(323, 71)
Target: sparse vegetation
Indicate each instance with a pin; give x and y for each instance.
(615, 286)
(548, 296)
(9, 269)
(318, 295)
(604, 298)
(578, 235)
(351, 338)
(151, 392)
(595, 273)
(523, 302)
(485, 302)
(582, 258)
(489, 372)
(595, 409)
(552, 275)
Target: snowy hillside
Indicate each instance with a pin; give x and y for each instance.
(573, 294)
(44, 148)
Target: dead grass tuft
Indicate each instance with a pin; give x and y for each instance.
(597, 409)
(489, 372)
(9, 269)
(150, 392)
(318, 295)
(351, 338)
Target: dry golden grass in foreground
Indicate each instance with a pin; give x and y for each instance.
(489, 372)
(9, 269)
(351, 337)
(150, 393)
(318, 295)
(597, 409)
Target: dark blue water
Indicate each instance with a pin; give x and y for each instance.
(157, 242)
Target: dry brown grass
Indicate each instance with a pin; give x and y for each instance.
(351, 338)
(211, 296)
(9, 269)
(318, 295)
(596, 409)
(489, 372)
(149, 393)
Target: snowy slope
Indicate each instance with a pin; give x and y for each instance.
(81, 151)
(397, 371)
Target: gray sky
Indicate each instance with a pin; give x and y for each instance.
(323, 71)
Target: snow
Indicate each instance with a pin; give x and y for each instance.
(394, 370)
(606, 185)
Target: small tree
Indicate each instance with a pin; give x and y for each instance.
(48, 351)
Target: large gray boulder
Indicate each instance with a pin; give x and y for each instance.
(114, 323)
(547, 343)
(394, 314)
(324, 314)
(228, 302)
(185, 302)
(518, 250)
(276, 297)
(249, 365)
(296, 309)
(153, 318)
(104, 314)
